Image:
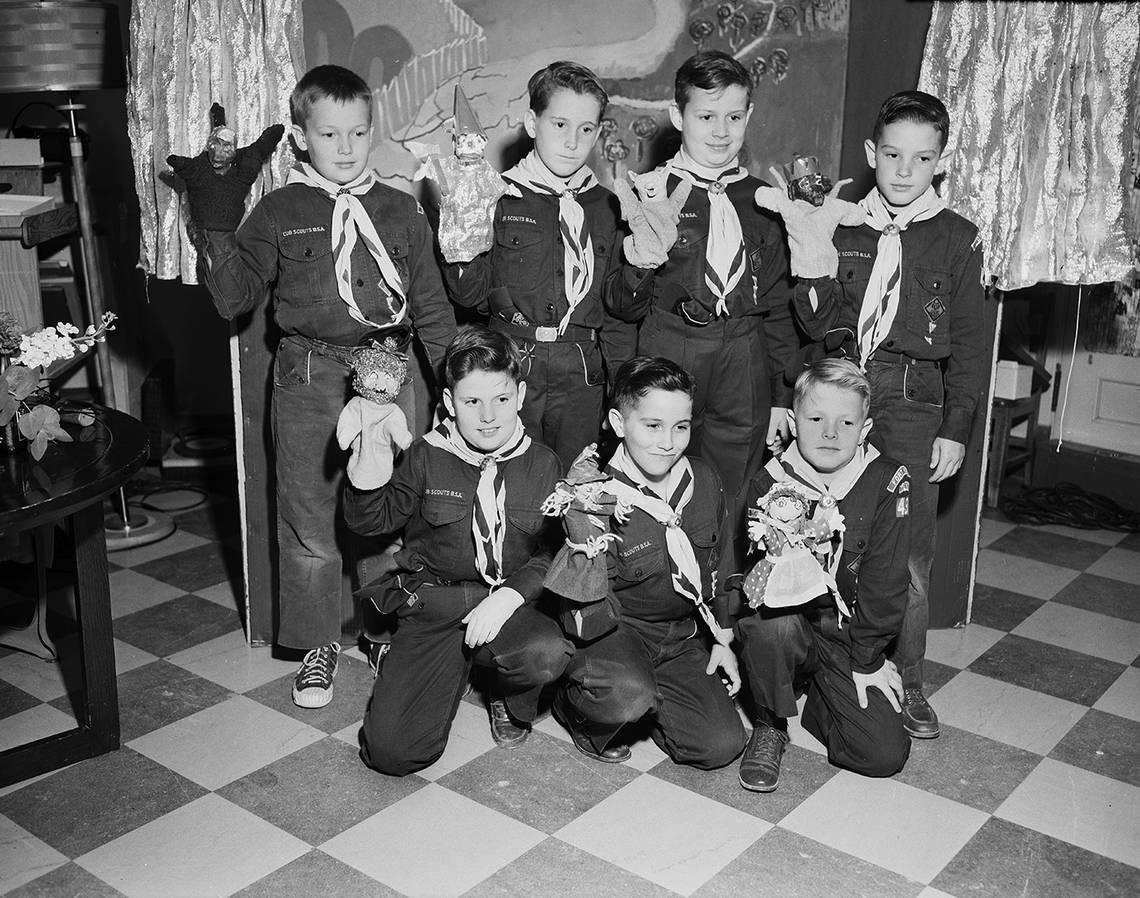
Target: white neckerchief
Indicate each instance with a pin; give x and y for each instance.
(577, 246)
(678, 487)
(827, 495)
(350, 221)
(881, 300)
(488, 518)
(725, 258)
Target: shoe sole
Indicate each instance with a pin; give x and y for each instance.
(916, 735)
(557, 715)
(306, 699)
(510, 743)
(752, 788)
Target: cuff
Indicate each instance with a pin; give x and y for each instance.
(956, 423)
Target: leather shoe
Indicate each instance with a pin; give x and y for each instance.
(919, 719)
(611, 754)
(504, 730)
(760, 764)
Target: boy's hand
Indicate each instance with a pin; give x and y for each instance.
(374, 432)
(810, 228)
(886, 679)
(486, 619)
(779, 433)
(724, 658)
(217, 202)
(945, 459)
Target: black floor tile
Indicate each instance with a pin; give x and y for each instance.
(1001, 609)
(198, 568)
(320, 876)
(1040, 545)
(1056, 671)
(177, 624)
(1103, 743)
(1102, 595)
(69, 880)
(159, 693)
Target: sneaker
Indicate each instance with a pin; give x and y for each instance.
(377, 651)
(760, 764)
(504, 730)
(919, 719)
(313, 685)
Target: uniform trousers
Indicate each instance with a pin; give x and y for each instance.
(656, 668)
(419, 686)
(785, 650)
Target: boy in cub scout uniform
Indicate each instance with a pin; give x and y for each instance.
(556, 240)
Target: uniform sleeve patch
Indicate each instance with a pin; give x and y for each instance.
(902, 506)
(897, 478)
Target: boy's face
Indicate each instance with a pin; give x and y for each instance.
(829, 424)
(337, 136)
(906, 159)
(712, 124)
(655, 430)
(485, 405)
(566, 130)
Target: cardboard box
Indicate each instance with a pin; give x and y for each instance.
(1013, 381)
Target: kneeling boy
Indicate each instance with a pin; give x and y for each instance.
(656, 658)
(838, 652)
(476, 549)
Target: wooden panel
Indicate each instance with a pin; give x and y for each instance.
(20, 284)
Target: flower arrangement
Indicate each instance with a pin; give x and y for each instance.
(20, 395)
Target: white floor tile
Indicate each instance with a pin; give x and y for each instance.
(226, 741)
(23, 857)
(666, 834)
(433, 843)
(645, 755)
(991, 530)
(888, 823)
(1083, 631)
(35, 723)
(179, 541)
(1023, 575)
(1083, 808)
(960, 646)
(1119, 564)
(931, 892)
(1011, 714)
(132, 591)
(801, 737)
(470, 737)
(1122, 698)
(223, 594)
(42, 679)
(129, 657)
(208, 847)
(231, 662)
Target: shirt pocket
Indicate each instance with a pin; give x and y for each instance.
(396, 245)
(856, 538)
(520, 252)
(705, 537)
(643, 563)
(928, 306)
(853, 275)
(444, 511)
(528, 520)
(689, 253)
(306, 275)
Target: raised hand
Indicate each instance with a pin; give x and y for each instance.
(652, 217)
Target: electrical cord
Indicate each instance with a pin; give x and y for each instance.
(1069, 505)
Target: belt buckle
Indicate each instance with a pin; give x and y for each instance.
(546, 334)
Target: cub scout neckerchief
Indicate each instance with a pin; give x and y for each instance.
(350, 221)
(488, 518)
(725, 258)
(684, 569)
(793, 466)
(577, 246)
(881, 300)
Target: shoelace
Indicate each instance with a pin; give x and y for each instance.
(914, 696)
(770, 742)
(500, 713)
(316, 668)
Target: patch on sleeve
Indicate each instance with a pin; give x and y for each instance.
(902, 506)
(904, 487)
(897, 478)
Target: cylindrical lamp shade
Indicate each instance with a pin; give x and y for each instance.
(62, 45)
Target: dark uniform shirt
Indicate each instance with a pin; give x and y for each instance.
(523, 274)
(873, 575)
(431, 497)
(285, 244)
(940, 311)
(763, 293)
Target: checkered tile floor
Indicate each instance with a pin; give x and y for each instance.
(223, 787)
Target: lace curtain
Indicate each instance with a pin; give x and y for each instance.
(184, 56)
(1041, 98)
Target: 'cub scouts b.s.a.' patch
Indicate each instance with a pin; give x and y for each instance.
(756, 258)
(934, 309)
(902, 506)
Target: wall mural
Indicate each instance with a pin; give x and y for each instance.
(414, 52)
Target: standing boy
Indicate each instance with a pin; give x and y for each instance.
(556, 240)
(655, 658)
(840, 656)
(902, 294)
(720, 306)
(348, 262)
(467, 580)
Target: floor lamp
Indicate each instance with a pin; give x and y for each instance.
(70, 46)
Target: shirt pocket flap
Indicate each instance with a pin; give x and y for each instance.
(853, 270)
(705, 535)
(528, 520)
(519, 238)
(441, 510)
(932, 281)
(395, 245)
(306, 247)
(641, 563)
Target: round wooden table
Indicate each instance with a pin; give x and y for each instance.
(67, 487)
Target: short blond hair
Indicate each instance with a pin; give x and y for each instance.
(841, 373)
